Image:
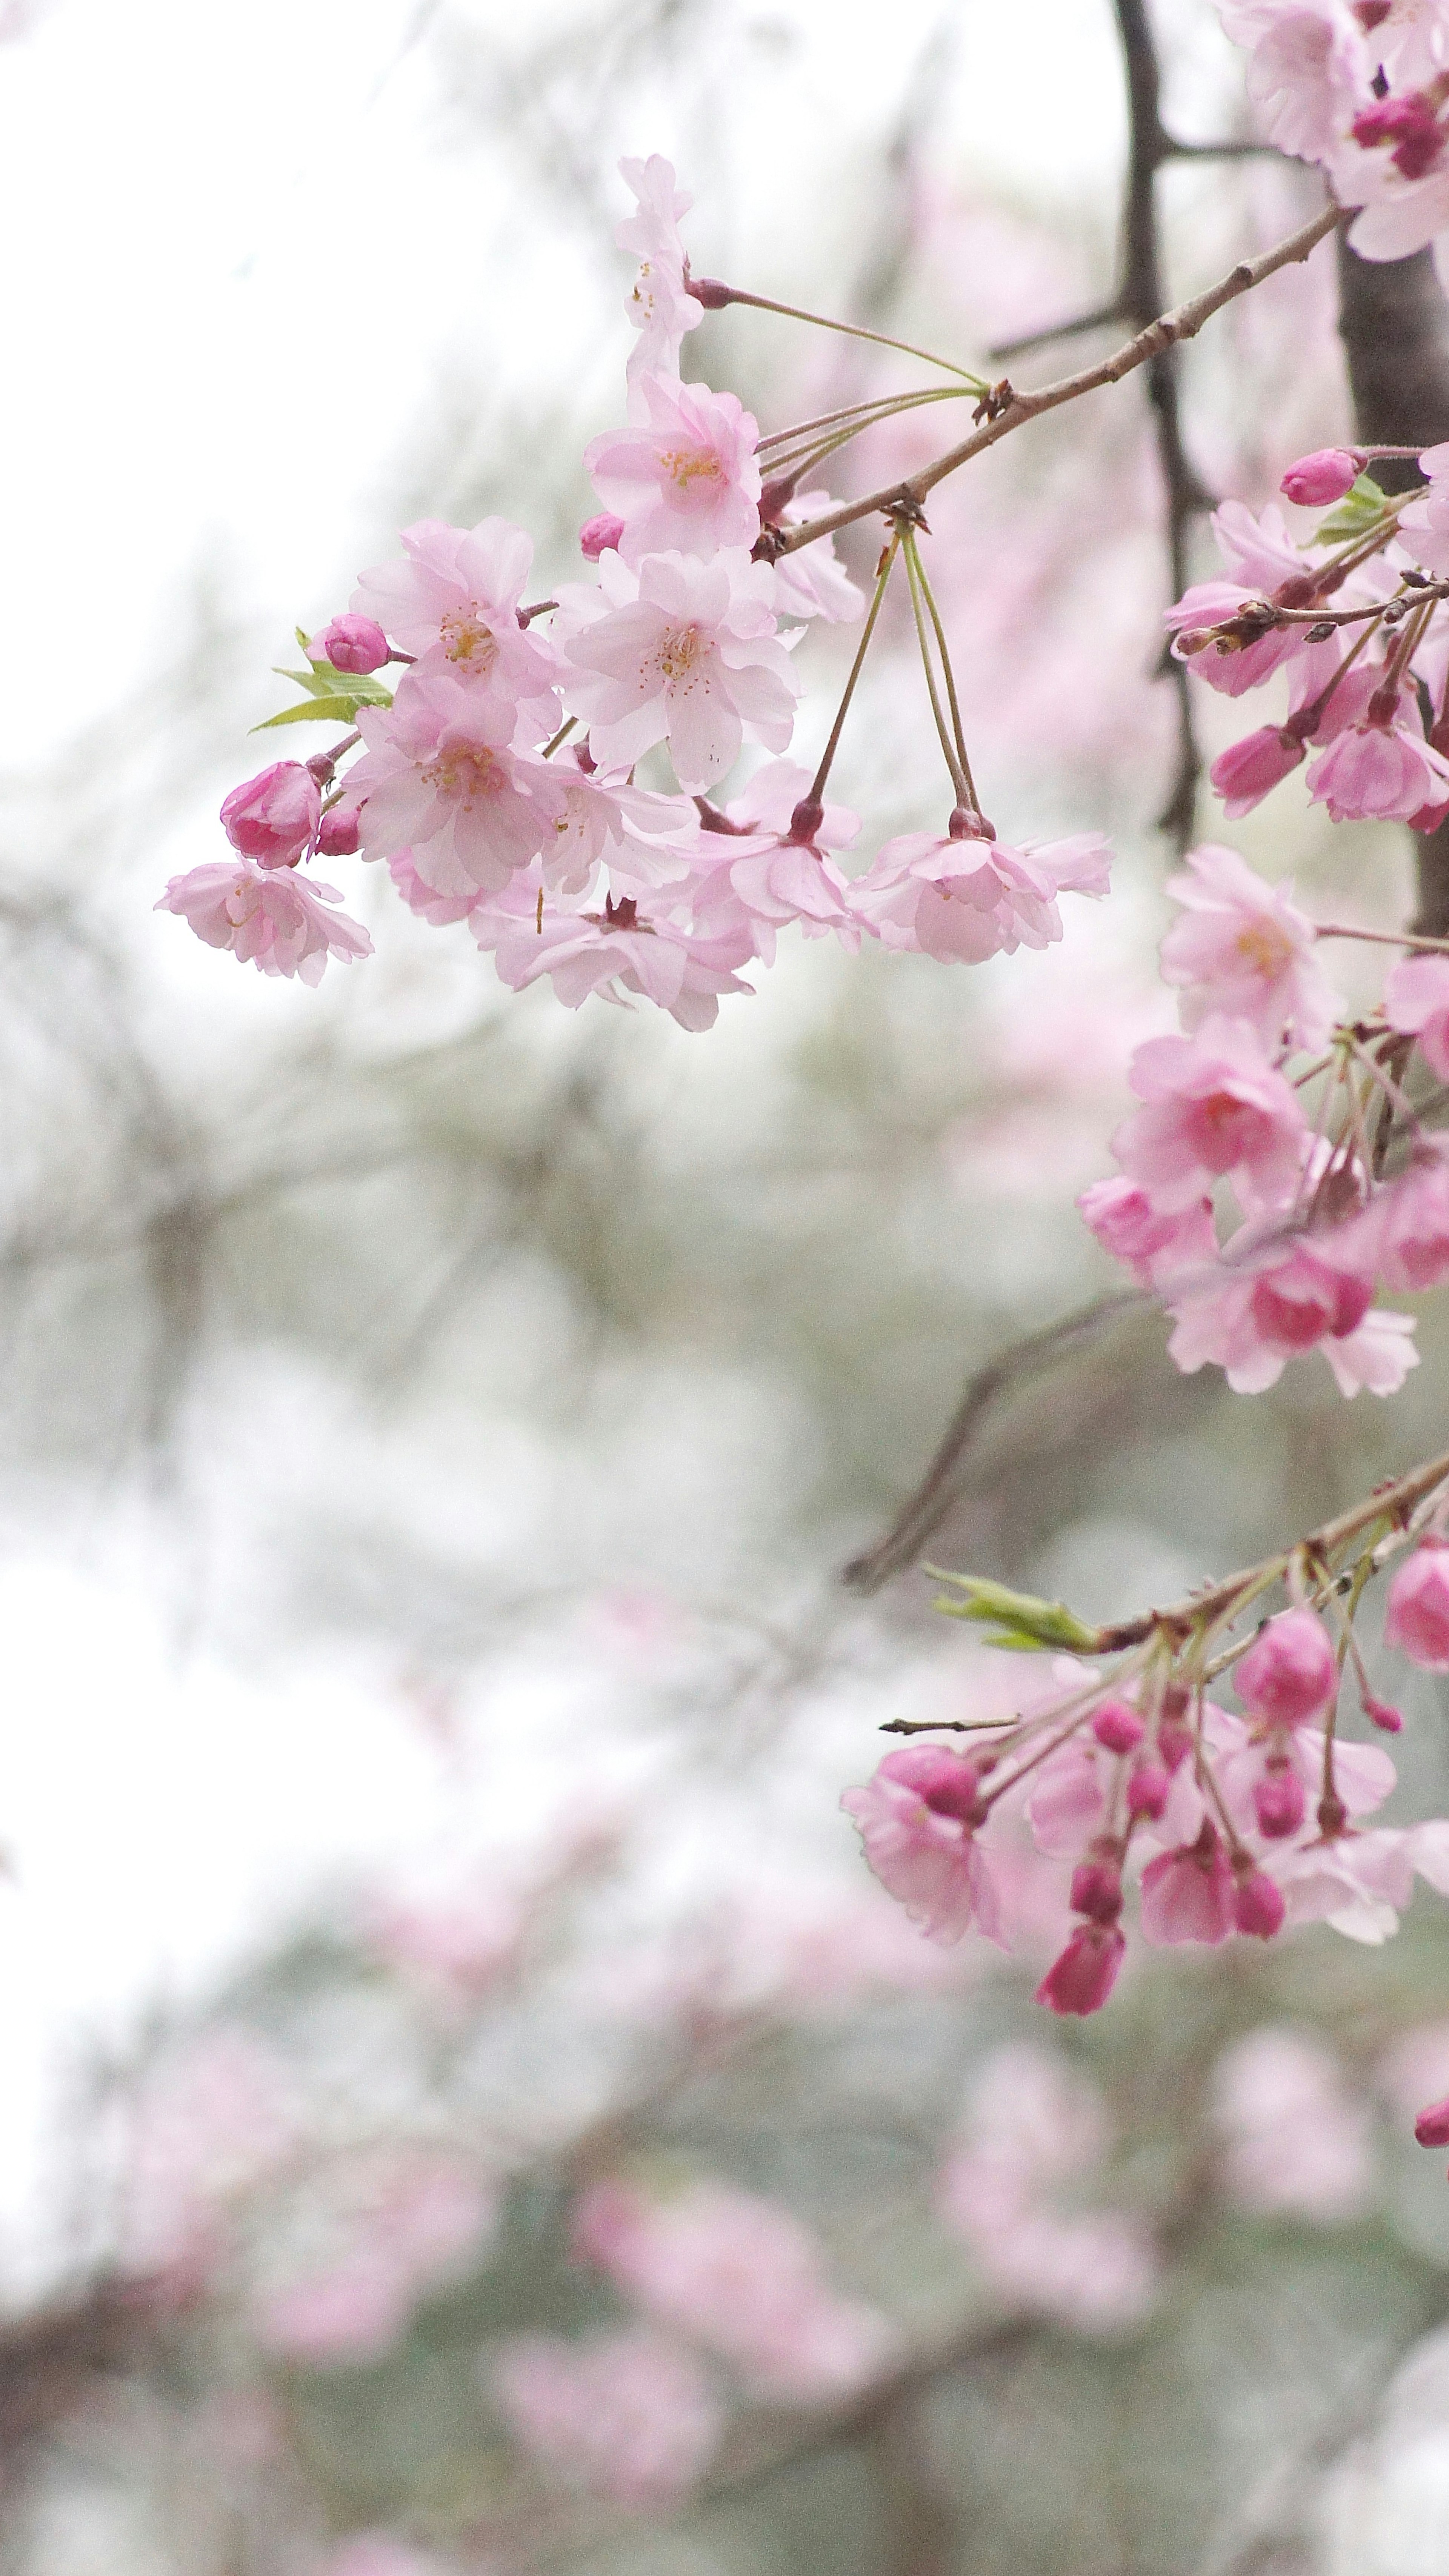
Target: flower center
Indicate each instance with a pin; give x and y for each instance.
(466, 774)
(686, 465)
(1264, 947)
(468, 638)
(680, 652)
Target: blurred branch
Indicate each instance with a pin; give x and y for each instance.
(945, 1478)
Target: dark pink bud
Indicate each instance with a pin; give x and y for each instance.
(1174, 1742)
(1324, 476)
(1380, 1714)
(1097, 1890)
(337, 837)
(806, 820)
(1290, 1672)
(271, 818)
(1118, 1726)
(967, 825)
(351, 643)
(945, 1782)
(1258, 1906)
(1148, 1790)
(1432, 2126)
(1083, 1977)
(1249, 770)
(1279, 1804)
(1371, 13)
(773, 496)
(711, 292)
(599, 533)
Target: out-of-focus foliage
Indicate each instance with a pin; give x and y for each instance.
(545, 1370)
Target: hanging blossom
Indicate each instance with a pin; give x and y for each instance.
(1360, 87)
(496, 762)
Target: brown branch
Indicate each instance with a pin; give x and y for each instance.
(1012, 410)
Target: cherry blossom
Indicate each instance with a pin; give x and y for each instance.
(438, 779)
(1214, 1107)
(1324, 476)
(963, 895)
(631, 2416)
(273, 818)
(1187, 1894)
(351, 643)
(812, 582)
(1381, 770)
(1417, 1618)
(660, 307)
(914, 1822)
(1289, 1674)
(740, 2275)
(686, 477)
(1309, 68)
(1416, 1000)
(1153, 1241)
(1412, 1223)
(615, 953)
(269, 918)
(692, 661)
(453, 604)
(1242, 948)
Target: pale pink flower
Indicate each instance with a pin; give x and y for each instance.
(813, 582)
(660, 305)
(1412, 1223)
(1187, 1894)
(1296, 2142)
(1417, 1618)
(773, 867)
(269, 918)
(1358, 1883)
(743, 2277)
(616, 953)
(438, 909)
(1249, 770)
(1243, 948)
(631, 2416)
(1250, 1322)
(453, 604)
(693, 661)
(351, 643)
(643, 839)
(912, 1819)
(964, 896)
(1243, 1757)
(1289, 1673)
(685, 477)
(1152, 1241)
(272, 818)
(1381, 772)
(1324, 476)
(437, 778)
(1424, 524)
(1214, 1107)
(1308, 68)
(1416, 1000)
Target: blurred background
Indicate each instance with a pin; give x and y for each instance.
(468, 2110)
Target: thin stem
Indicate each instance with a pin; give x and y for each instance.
(879, 406)
(817, 787)
(964, 794)
(1387, 1084)
(1383, 938)
(950, 677)
(551, 746)
(1012, 410)
(853, 331)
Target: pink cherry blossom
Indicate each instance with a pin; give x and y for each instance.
(437, 778)
(922, 1850)
(692, 661)
(742, 2276)
(1380, 771)
(438, 909)
(1243, 948)
(1412, 1222)
(1187, 1894)
(1296, 2142)
(1250, 1322)
(1416, 1000)
(1214, 1106)
(1249, 770)
(1289, 1673)
(351, 643)
(963, 896)
(601, 533)
(1425, 522)
(1152, 1241)
(773, 865)
(272, 819)
(631, 2416)
(453, 602)
(1358, 1883)
(660, 306)
(1258, 1904)
(1417, 1617)
(1324, 476)
(812, 582)
(1081, 1978)
(685, 477)
(616, 953)
(269, 918)
(1308, 68)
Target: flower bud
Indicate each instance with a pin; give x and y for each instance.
(806, 820)
(1174, 1742)
(1097, 1890)
(1324, 476)
(1258, 1906)
(1417, 1619)
(1432, 2126)
(1148, 1790)
(773, 496)
(1118, 1726)
(599, 533)
(945, 1782)
(1082, 1978)
(351, 643)
(1379, 1713)
(1279, 1803)
(1290, 1672)
(337, 834)
(271, 818)
(1249, 770)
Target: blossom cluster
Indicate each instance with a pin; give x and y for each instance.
(1361, 88)
(1219, 1824)
(499, 782)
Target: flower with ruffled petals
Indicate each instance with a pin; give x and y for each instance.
(453, 604)
(693, 660)
(1417, 1618)
(1416, 1000)
(268, 917)
(963, 895)
(914, 1822)
(1187, 1894)
(1380, 771)
(685, 476)
(660, 305)
(438, 778)
(1152, 1241)
(1213, 1107)
(1243, 948)
(614, 953)
(1308, 69)
(273, 818)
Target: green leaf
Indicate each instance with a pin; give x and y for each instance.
(324, 682)
(1353, 515)
(1017, 1620)
(312, 711)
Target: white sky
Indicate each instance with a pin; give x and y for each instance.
(242, 248)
